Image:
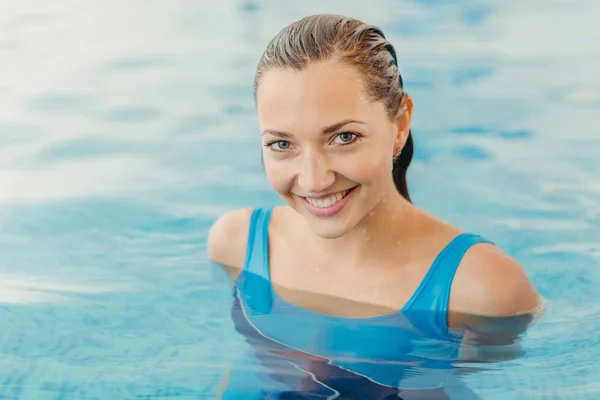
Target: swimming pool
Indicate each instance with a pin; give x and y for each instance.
(126, 128)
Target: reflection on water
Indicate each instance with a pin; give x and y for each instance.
(126, 128)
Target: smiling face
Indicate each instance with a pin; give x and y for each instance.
(327, 147)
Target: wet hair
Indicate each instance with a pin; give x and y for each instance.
(354, 43)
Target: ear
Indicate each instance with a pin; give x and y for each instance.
(403, 122)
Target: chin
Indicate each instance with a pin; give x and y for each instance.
(327, 230)
(330, 227)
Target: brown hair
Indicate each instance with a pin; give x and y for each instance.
(352, 42)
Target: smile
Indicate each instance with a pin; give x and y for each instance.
(329, 205)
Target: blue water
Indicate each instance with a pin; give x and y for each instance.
(128, 127)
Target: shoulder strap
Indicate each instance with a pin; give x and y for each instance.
(257, 251)
(433, 293)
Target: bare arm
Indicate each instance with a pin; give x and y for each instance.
(226, 245)
(493, 300)
(226, 241)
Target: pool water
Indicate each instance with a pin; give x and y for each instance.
(128, 127)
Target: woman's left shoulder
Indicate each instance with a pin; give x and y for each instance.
(489, 282)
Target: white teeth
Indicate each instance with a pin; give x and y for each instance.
(328, 201)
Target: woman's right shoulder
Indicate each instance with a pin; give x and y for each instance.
(227, 237)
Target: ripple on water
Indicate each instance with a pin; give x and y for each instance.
(62, 103)
(132, 114)
(135, 64)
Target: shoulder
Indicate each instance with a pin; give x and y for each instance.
(227, 237)
(489, 282)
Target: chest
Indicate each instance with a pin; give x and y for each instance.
(332, 286)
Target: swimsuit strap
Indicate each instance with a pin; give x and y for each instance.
(257, 246)
(433, 293)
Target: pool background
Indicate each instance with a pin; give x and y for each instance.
(127, 127)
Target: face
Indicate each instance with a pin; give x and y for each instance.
(327, 147)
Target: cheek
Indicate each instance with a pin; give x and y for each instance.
(369, 170)
(279, 177)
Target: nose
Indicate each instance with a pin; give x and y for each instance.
(315, 174)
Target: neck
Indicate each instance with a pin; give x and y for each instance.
(385, 227)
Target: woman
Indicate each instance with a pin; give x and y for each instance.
(350, 270)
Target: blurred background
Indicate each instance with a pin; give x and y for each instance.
(127, 127)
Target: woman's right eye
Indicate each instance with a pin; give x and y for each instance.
(279, 145)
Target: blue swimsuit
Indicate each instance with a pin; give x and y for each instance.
(298, 353)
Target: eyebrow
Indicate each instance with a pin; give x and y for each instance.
(325, 131)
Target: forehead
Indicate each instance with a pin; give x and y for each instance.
(319, 94)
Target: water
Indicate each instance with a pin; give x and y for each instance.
(126, 128)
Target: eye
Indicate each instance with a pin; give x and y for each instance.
(345, 138)
(279, 145)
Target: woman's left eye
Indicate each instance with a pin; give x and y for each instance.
(345, 137)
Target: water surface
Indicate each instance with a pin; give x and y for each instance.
(127, 128)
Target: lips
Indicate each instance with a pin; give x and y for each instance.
(329, 205)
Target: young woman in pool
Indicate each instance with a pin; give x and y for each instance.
(350, 258)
